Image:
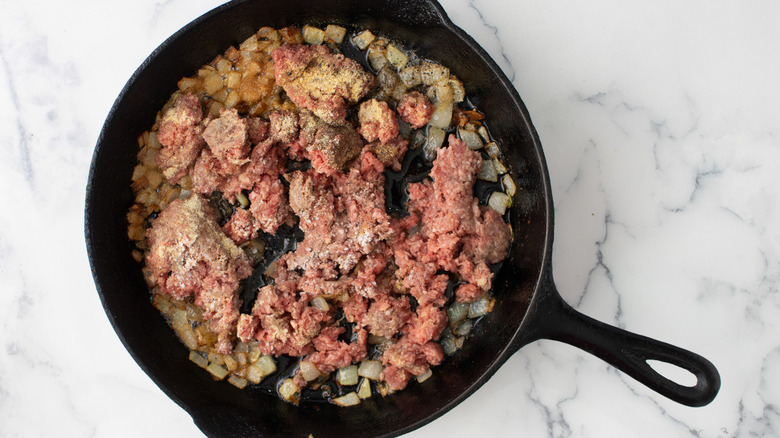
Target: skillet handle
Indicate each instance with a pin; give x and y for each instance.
(628, 352)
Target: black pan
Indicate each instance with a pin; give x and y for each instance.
(528, 306)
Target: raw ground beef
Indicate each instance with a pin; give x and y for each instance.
(180, 135)
(377, 121)
(320, 81)
(415, 109)
(189, 255)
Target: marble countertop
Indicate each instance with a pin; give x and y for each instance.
(661, 126)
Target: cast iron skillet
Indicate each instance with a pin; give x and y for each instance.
(528, 306)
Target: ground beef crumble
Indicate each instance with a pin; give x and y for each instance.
(189, 255)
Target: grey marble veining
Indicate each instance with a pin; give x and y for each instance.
(661, 127)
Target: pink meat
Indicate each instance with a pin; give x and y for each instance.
(377, 121)
(241, 227)
(227, 137)
(387, 315)
(320, 81)
(332, 354)
(284, 126)
(455, 232)
(405, 359)
(189, 255)
(180, 136)
(268, 204)
(415, 109)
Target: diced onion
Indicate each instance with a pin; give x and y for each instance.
(458, 92)
(449, 346)
(509, 185)
(483, 132)
(464, 328)
(250, 44)
(320, 304)
(254, 354)
(348, 375)
(335, 33)
(230, 363)
(350, 399)
(425, 376)
(433, 142)
(266, 364)
(194, 313)
(179, 319)
(487, 171)
(241, 347)
(198, 359)
(471, 138)
(480, 307)
(313, 35)
(364, 390)
(288, 390)
(457, 312)
(377, 58)
(442, 115)
(500, 168)
(188, 337)
(410, 76)
(236, 381)
(499, 202)
(370, 369)
(309, 371)
(396, 57)
(218, 371)
(383, 389)
(440, 93)
(492, 149)
(242, 199)
(216, 358)
(233, 81)
(363, 39)
(254, 374)
(224, 66)
(433, 73)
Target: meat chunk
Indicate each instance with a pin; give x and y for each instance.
(329, 147)
(391, 154)
(332, 354)
(334, 147)
(281, 323)
(405, 359)
(189, 255)
(284, 126)
(180, 136)
(426, 325)
(228, 173)
(268, 204)
(257, 129)
(456, 234)
(320, 81)
(241, 227)
(377, 121)
(227, 137)
(387, 315)
(491, 239)
(415, 109)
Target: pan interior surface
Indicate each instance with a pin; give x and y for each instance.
(220, 409)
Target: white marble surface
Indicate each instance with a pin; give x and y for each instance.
(661, 125)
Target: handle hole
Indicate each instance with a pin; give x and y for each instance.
(676, 374)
